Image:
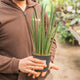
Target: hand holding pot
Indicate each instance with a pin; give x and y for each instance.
(51, 66)
(43, 74)
(30, 64)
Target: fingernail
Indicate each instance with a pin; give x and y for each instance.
(36, 73)
(57, 69)
(45, 65)
(43, 75)
(42, 68)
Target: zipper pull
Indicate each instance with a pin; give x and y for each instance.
(24, 13)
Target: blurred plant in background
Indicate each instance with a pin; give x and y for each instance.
(64, 36)
(68, 14)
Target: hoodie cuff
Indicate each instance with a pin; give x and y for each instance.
(52, 54)
(52, 58)
(14, 66)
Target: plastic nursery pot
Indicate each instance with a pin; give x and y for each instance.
(46, 59)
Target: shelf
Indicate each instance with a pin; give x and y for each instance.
(75, 34)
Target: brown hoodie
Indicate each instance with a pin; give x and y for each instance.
(15, 38)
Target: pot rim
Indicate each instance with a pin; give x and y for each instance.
(37, 54)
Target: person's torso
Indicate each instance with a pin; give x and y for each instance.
(15, 36)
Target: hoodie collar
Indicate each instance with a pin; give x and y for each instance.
(10, 2)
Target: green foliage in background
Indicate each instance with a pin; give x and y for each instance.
(64, 35)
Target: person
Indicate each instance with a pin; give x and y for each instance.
(16, 45)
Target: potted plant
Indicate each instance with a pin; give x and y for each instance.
(43, 42)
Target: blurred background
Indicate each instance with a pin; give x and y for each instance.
(67, 56)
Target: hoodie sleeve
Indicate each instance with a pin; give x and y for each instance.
(8, 65)
(53, 48)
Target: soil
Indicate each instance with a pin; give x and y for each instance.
(68, 60)
(41, 54)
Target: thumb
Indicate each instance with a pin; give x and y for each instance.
(52, 66)
(43, 74)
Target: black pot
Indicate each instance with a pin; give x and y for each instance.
(46, 59)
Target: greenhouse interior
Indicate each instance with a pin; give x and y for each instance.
(66, 22)
(67, 56)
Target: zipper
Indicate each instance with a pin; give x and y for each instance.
(28, 24)
(28, 28)
(26, 21)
